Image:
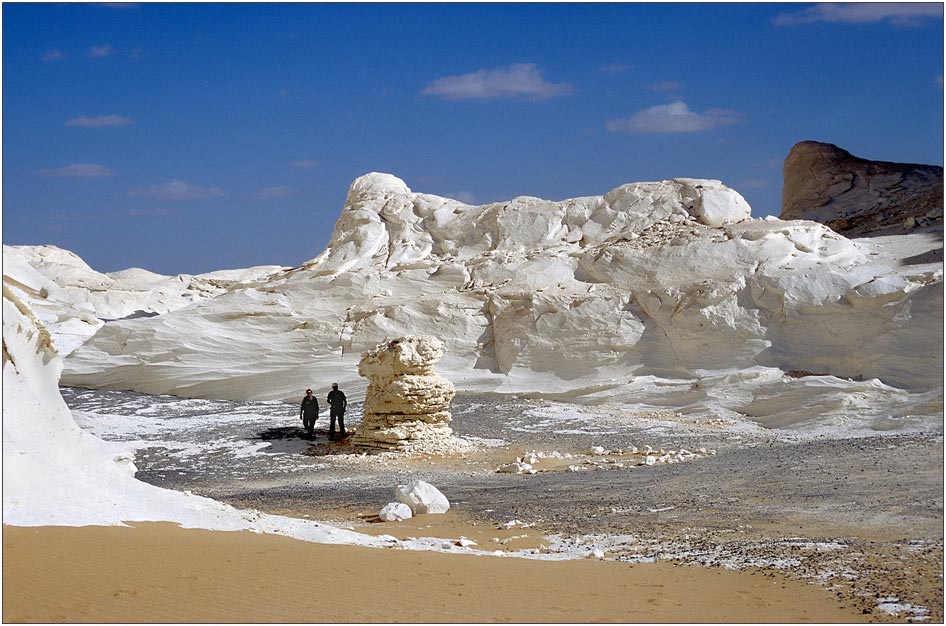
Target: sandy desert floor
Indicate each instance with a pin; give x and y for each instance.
(161, 573)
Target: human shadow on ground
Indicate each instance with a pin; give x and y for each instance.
(295, 440)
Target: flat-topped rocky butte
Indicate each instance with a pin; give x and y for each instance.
(856, 196)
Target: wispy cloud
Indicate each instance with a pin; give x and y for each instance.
(613, 68)
(100, 120)
(521, 80)
(897, 13)
(177, 190)
(80, 170)
(466, 197)
(83, 216)
(98, 52)
(269, 193)
(305, 163)
(667, 85)
(675, 117)
(53, 55)
(753, 183)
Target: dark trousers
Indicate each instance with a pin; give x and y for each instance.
(308, 420)
(340, 415)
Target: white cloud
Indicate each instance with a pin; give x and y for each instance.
(177, 190)
(613, 68)
(97, 52)
(898, 13)
(675, 117)
(667, 85)
(305, 163)
(100, 120)
(81, 170)
(521, 80)
(53, 55)
(268, 193)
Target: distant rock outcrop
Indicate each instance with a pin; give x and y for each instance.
(856, 196)
(407, 401)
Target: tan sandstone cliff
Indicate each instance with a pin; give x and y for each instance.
(857, 197)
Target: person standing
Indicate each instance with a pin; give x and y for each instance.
(309, 412)
(337, 404)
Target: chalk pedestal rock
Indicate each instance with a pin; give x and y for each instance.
(407, 402)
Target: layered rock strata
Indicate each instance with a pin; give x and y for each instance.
(856, 196)
(407, 401)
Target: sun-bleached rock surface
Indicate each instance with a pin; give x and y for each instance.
(407, 402)
(395, 512)
(626, 297)
(422, 497)
(856, 196)
(73, 300)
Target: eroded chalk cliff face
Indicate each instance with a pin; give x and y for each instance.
(653, 289)
(856, 196)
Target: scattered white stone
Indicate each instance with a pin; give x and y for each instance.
(395, 512)
(597, 553)
(598, 450)
(422, 497)
(463, 542)
(518, 467)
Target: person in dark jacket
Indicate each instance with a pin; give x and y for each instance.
(337, 404)
(309, 412)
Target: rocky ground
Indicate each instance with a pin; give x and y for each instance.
(860, 516)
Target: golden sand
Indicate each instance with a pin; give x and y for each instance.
(162, 573)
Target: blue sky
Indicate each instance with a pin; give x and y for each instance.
(194, 137)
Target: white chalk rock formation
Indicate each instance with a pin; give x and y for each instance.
(628, 296)
(73, 300)
(422, 497)
(407, 402)
(395, 512)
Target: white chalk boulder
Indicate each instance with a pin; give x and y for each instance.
(422, 497)
(395, 512)
(715, 204)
